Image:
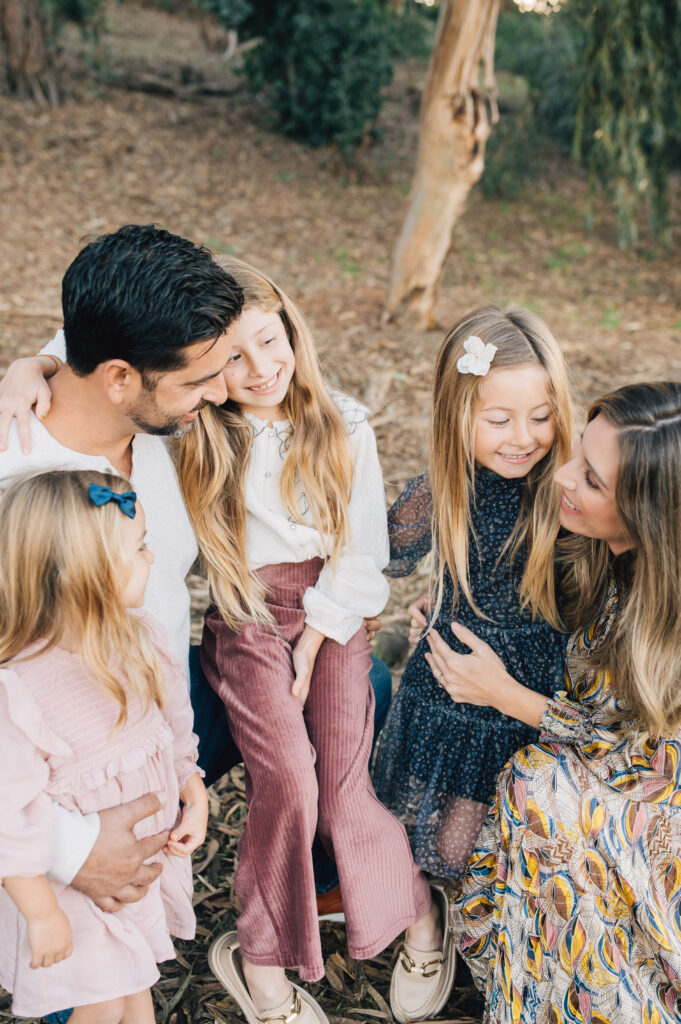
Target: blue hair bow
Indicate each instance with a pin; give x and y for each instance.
(103, 495)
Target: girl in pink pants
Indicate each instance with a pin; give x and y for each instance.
(285, 492)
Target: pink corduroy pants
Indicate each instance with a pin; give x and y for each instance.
(307, 770)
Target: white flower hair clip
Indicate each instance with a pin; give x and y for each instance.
(478, 358)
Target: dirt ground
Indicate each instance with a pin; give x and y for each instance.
(206, 165)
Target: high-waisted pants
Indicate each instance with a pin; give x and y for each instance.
(306, 770)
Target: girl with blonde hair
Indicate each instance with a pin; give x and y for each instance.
(570, 907)
(502, 423)
(94, 713)
(285, 493)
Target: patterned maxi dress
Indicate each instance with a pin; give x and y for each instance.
(438, 760)
(570, 909)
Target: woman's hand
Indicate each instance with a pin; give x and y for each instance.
(418, 617)
(22, 388)
(304, 655)
(190, 832)
(474, 678)
(481, 678)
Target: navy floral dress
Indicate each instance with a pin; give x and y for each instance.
(438, 760)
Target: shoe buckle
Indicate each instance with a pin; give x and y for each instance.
(427, 968)
(295, 1011)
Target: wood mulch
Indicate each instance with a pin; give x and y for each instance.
(155, 128)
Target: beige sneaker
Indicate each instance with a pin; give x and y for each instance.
(421, 982)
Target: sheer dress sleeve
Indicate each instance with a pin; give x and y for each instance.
(410, 526)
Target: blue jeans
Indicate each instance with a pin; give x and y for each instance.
(218, 753)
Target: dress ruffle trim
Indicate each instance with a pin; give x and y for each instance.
(129, 760)
(443, 767)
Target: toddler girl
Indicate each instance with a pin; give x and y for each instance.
(502, 424)
(285, 492)
(94, 712)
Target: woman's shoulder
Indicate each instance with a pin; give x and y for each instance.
(353, 412)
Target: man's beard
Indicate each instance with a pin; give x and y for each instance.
(173, 428)
(146, 406)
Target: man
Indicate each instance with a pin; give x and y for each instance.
(148, 319)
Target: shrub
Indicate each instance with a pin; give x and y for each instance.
(321, 66)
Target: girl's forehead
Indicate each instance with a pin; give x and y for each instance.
(509, 387)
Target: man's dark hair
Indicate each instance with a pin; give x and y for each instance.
(143, 294)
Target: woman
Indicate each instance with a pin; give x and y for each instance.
(570, 908)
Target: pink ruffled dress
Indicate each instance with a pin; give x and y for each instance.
(59, 745)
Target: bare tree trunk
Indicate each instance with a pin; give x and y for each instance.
(25, 60)
(455, 123)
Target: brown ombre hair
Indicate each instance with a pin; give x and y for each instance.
(642, 650)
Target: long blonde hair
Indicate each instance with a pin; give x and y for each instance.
(642, 650)
(213, 459)
(62, 575)
(521, 339)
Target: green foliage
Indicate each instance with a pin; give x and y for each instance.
(632, 86)
(510, 157)
(321, 66)
(230, 13)
(545, 51)
(88, 14)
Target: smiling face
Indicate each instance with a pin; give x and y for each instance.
(138, 559)
(513, 421)
(588, 480)
(172, 404)
(261, 365)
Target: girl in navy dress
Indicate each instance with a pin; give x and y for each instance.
(502, 424)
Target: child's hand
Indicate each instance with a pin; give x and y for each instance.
(190, 832)
(50, 938)
(372, 626)
(418, 617)
(304, 655)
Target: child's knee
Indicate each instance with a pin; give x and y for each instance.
(292, 784)
(109, 1012)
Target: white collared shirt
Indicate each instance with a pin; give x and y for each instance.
(355, 587)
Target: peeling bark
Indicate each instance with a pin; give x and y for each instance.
(25, 61)
(458, 109)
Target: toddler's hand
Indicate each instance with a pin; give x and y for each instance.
(50, 938)
(418, 617)
(190, 832)
(372, 626)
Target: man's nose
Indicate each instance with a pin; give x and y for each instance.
(216, 390)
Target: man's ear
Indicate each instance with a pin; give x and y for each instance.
(120, 380)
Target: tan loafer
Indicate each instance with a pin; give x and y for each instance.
(224, 960)
(421, 982)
